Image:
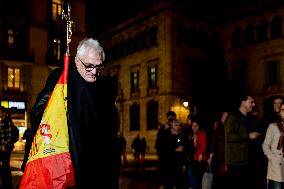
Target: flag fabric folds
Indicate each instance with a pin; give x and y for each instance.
(49, 165)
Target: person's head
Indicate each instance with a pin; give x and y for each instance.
(171, 115)
(196, 124)
(89, 59)
(246, 104)
(177, 127)
(3, 112)
(277, 101)
(189, 119)
(224, 116)
(281, 111)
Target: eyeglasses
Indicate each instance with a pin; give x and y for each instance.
(90, 67)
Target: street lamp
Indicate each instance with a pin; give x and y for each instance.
(185, 104)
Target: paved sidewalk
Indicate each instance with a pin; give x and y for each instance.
(133, 176)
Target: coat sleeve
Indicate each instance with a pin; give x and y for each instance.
(266, 146)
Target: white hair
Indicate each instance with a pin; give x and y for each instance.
(92, 44)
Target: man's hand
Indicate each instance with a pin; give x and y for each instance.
(254, 135)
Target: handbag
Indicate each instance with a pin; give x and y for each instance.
(207, 179)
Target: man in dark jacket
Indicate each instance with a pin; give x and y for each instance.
(238, 132)
(92, 117)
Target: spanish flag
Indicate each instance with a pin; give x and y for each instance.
(49, 165)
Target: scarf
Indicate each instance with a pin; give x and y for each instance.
(281, 139)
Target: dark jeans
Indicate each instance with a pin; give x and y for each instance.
(275, 185)
(6, 170)
(240, 177)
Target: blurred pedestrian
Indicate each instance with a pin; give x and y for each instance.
(238, 133)
(9, 134)
(28, 137)
(137, 148)
(143, 149)
(273, 148)
(122, 148)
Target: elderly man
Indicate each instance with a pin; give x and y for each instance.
(91, 115)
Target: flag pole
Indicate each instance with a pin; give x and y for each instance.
(69, 26)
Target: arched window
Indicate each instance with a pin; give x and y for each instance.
(134, 117)
(128, 46)
(249, 35)
(144, 40)
(153, 36)
(276, 27)
(262, 31)
(152, 115)
(120, 49)
(237, 38)
(136, 42)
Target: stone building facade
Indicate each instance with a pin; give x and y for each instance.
(182, 48)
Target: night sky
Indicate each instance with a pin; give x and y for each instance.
(104, 14)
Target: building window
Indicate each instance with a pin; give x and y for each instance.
(152, 77)
(237, 38)
(272, 72)
(153, 36)
(135, 117)
(134, 82)
(57, 49)
(249, 35)
(11, 38)
(14, 78)
(57, 7)
(152, 115)
(276, 27)
(262, 31)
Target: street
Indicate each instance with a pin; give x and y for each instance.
(132, 176)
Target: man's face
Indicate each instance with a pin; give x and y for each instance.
(171, 118)
(281, 111)
(276, 104)
(249, 104)
(87, 65)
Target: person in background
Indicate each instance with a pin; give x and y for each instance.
(273, 147)
(162, 144)
(216, 156)
(143, 149)
(237, 135)
(92, 117)
(137, 148)
(29, 139)
(199, 139)
(271, 115)
(122, 148)
(9, 134)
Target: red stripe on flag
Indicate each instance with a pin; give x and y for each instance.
(54, 172)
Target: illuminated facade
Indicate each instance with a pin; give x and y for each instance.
(32, 43)
(161, 57)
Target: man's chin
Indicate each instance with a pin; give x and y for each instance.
(90, 79)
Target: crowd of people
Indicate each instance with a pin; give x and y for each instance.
(242, 151)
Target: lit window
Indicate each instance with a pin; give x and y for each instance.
(152, 77)
(57, 7)
(11, 38)
(14, 78)
(134, 82)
